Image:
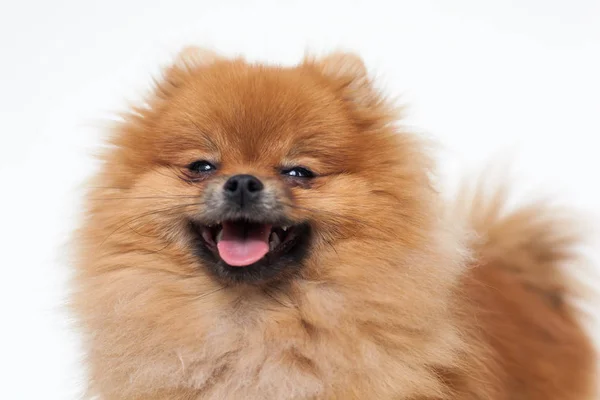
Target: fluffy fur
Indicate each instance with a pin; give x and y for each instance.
(397, 298)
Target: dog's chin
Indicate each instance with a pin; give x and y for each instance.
(285, 248)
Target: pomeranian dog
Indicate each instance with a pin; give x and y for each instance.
(264, 232)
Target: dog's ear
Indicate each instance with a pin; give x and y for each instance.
(185, 62)
(193, 57)
(349, 73)
(343, 65)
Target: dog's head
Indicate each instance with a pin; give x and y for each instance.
(263, 173)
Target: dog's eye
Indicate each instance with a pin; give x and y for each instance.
(201, 167)
(298, 172)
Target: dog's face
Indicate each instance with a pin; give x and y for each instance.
(260, 224)
(260, 172)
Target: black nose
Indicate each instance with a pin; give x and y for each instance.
(243, 189)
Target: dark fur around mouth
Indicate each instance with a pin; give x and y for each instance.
(280, 264)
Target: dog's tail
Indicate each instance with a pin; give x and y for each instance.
(543, 244)
(536, 249)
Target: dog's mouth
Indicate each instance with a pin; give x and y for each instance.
(242, 243)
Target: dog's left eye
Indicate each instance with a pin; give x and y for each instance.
(298, 172)
(201, 167)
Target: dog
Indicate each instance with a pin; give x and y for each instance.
(266, 232)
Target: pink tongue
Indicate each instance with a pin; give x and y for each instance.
(242, 245)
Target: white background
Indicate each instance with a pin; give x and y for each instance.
(515, 81)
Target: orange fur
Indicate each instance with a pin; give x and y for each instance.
(394, 301)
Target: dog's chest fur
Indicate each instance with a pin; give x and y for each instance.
(304, 352)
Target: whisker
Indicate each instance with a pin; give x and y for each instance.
(200, 130)
(165, 210)
(339, 216)
(332, 247)
(346, 196)
(140, 234)
(203, 295)
(159, 250)
(119, 267)
(146, 197)
(125, 188)
(267, 292)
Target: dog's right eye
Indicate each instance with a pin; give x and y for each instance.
(201, 167)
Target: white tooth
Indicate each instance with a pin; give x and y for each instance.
(273, 241)
(219, 235)
(285, 228)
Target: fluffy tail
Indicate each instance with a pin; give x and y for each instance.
(541, 243)
(543, 248)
